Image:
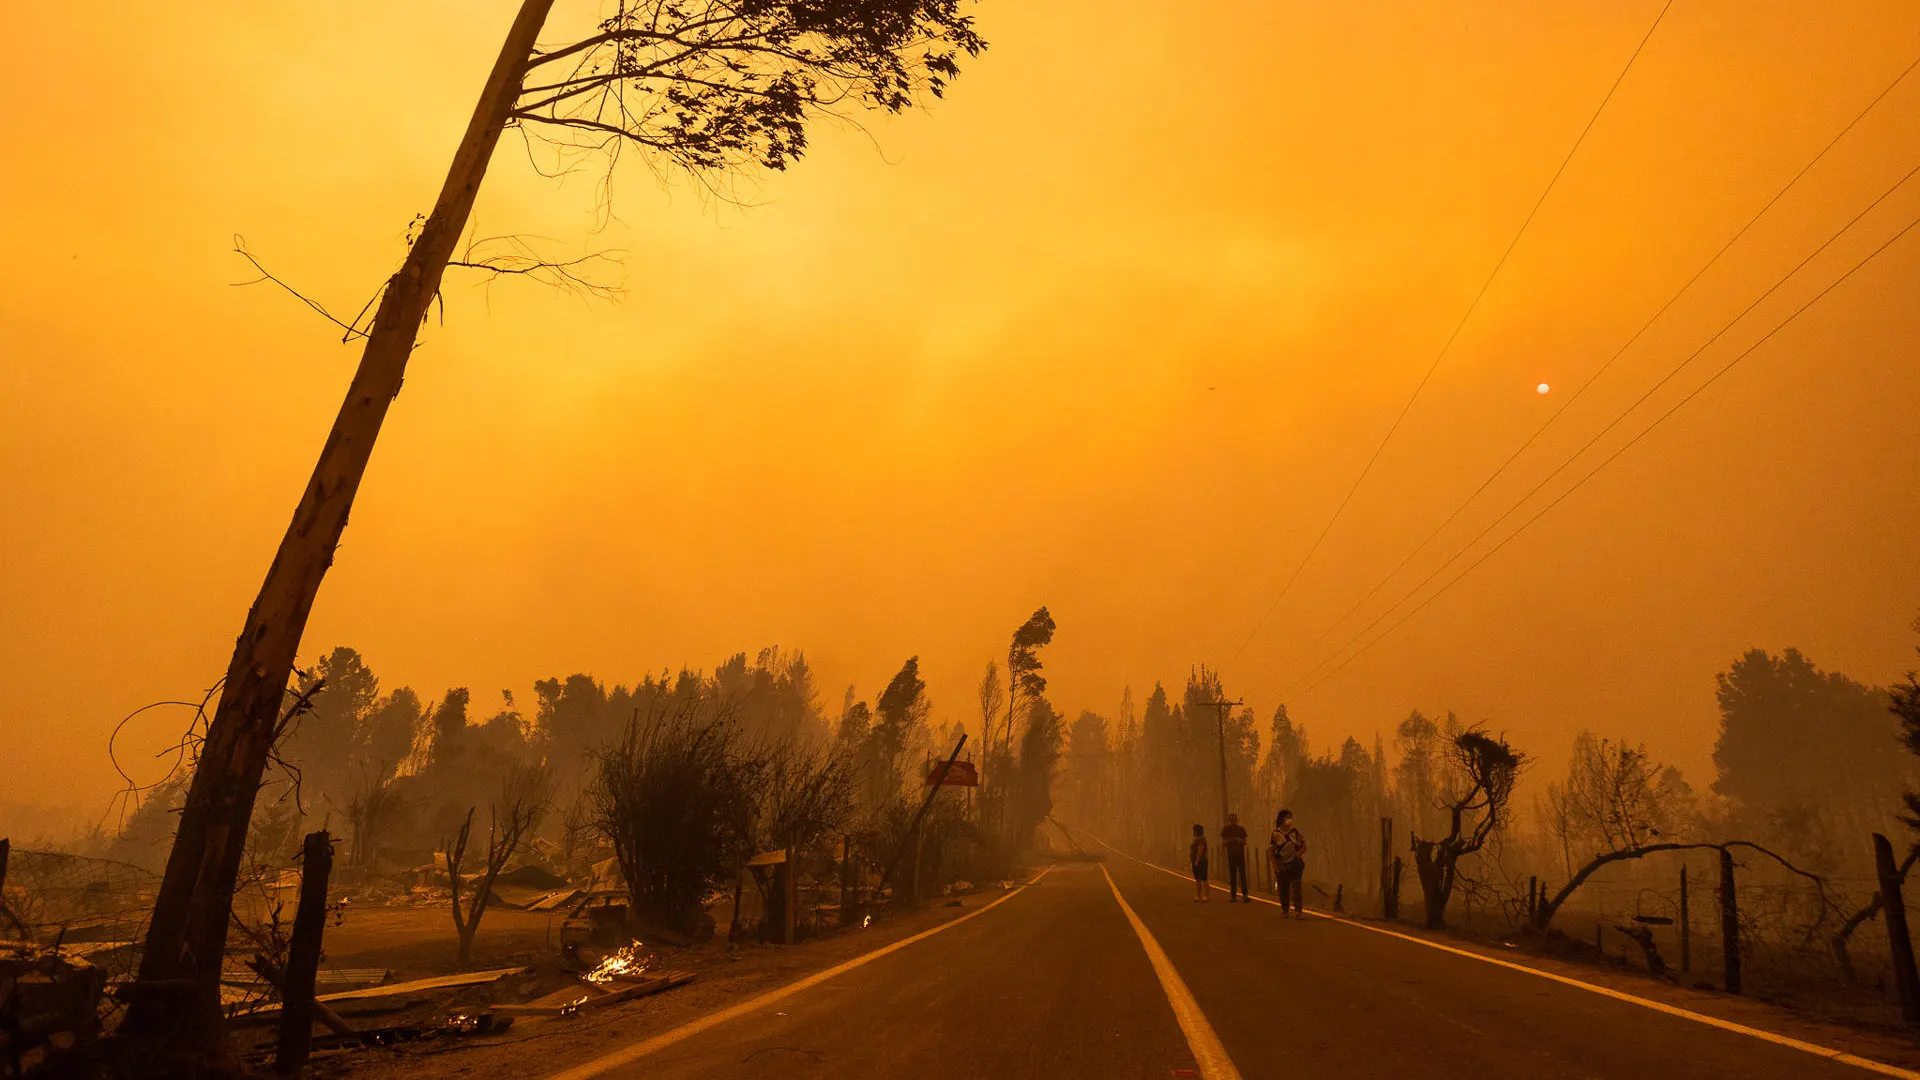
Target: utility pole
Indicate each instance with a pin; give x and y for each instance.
(1220, 722)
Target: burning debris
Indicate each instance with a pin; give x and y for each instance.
(631, 962)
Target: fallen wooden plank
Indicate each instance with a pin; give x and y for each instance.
(346, 978)
(588, 996)
(353, 976)
(555, 900)
(442, 982)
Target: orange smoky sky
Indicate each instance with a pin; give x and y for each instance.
(1112, 329)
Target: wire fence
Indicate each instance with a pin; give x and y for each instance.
(90, 908)
(1786, 926)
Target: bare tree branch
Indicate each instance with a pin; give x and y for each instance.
(351, 330)
(514, 256)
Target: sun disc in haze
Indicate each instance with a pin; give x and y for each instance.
(1542, 388)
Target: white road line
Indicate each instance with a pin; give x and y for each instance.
(1828, 1052)
(636, 1051)
(1208, 1053)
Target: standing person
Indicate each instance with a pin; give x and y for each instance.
(1234, 839)
(1197, 855)
(1289, 850)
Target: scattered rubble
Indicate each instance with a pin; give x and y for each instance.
(49, 1005)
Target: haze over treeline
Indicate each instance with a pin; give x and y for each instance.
(1808, 761)
(1805, 760)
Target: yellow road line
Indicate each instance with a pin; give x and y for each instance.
(1208, 1053)
(636, 1051)
(1838, 1056)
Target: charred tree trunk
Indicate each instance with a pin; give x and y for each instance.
(463, 926)
(1434, 863)
(173, 1023)
(1643, 937)
(303, 956)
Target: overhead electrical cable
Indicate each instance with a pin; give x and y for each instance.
(1602, 370)
(1445, 348)
(1609, 427)
(1695, 392)
(1616, 421)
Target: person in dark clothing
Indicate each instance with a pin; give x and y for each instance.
(1197, 855)
(1234, 839)
(1289, 850)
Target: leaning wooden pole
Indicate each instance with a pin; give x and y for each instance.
(173, 1023)
(1899, 943)
(932, 790)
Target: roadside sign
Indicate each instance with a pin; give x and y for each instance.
(960, 774)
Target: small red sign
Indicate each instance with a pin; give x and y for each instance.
(959, 774)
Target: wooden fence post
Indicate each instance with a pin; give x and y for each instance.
(1533, 898)
(7, 917)
(1729, 925)
(303, 956)
(846, 879)
(1686, 928)
(1905, 979)
(788, 882)
(1386, 867)
(1393, 891)
(739, 892)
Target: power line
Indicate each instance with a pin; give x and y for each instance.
(1445, 348)
(1615, 422)
(1715, 377)
(1602, 370)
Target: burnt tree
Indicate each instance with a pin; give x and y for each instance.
(512, 820)
(1487, 769)
(703, 87)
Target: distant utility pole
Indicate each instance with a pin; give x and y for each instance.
(1220, 721)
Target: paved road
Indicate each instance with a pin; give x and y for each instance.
(1055, 983)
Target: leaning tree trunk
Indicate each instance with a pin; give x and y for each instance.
(173, 1024)
(1544, 913)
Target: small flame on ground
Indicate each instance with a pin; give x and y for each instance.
(866, 921)
(629, 962)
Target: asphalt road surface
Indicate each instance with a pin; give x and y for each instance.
(1055, 982)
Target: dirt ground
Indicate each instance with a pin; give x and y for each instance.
(419, 942)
